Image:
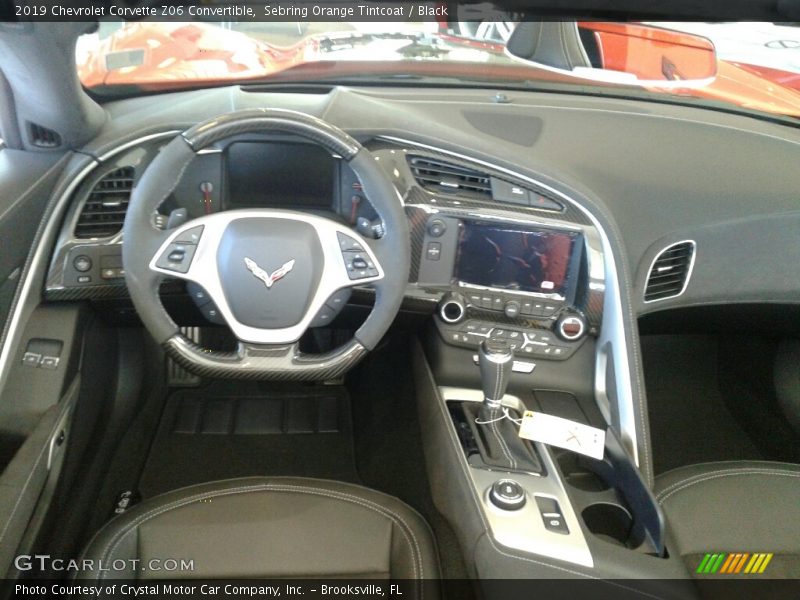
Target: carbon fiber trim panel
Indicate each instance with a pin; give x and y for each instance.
(272, 120)
(417, 219)
(88, 292)
(278, 363)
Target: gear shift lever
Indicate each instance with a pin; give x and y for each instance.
(495, 358)
(499, 444)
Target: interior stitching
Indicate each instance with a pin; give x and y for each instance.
(117, 538)
(743, 470)
(721, 474)
(501, 442)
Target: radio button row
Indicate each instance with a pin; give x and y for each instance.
(474, 300)
(525, 342)
(513, 306)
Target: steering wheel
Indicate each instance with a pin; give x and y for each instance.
(270, 272)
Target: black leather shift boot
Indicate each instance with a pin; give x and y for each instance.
(498, 440)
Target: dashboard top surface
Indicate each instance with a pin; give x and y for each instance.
(660, 172)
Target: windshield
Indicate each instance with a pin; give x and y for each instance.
(749, 66)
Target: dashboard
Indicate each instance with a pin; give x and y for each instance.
(492, 256)
(508, 182)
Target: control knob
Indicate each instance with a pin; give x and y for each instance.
(453, 308)
(507, 494)
(571, 327)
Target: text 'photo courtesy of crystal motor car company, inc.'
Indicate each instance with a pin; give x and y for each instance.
(417, 300)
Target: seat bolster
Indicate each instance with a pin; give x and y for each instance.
(271, 527)
(749, 506)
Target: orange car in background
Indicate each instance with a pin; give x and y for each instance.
(640, 49)
(634, 48)
(142, 53)
(153, 54)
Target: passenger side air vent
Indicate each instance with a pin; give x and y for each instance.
(42, 137)
(670, 272)
(439, 176)
(104, 211)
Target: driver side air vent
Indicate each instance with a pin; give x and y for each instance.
(439, 176)
(104, 210)
(670, 272)
(42, 137)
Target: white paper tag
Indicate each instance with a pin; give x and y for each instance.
(563, 433)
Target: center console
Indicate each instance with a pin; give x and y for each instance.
(528, 319)
(517, 281)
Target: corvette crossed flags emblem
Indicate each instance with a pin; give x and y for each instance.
(269, 279)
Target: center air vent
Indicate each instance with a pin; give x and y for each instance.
(670, 272)
(439, 176)
(104, 211)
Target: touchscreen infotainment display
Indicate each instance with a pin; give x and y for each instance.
(506, 258)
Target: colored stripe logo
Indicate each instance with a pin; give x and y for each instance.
(734, 563)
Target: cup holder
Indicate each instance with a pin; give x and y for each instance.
(612, 523)
(580, 475)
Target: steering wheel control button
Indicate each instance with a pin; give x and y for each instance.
(339, 299)
(177, 257)
(211, 312)
(190, 236)
(325, 315)
(552, 516)
(436, 228)
(347, 243)
(359, 265)
(507, 494)
(198, 294)
(82, 263)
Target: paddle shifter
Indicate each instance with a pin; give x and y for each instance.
(495, 358)
(499, 444)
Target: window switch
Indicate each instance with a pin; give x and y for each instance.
(49, 362)
(43, 353)
(31, 359)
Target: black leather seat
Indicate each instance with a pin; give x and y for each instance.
(735, 507)
(270, 527)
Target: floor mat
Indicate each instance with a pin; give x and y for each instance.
(689, 420)
(241, 429)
